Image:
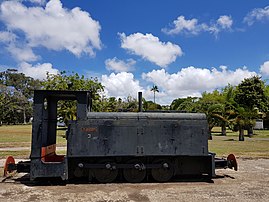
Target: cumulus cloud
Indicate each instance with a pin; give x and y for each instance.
(22, 53)
(257, 14)
(192, 27)
(192, 81)
(117, 65)
(183, 25)
(121, 85)
(264, 69)
(225, 22)
(40, 2)
(189, 81)
(53, 27)
(38, 71)
(7, 37)
(151, 48)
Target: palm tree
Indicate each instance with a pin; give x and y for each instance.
(154, 89)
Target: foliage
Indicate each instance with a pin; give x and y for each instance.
(251, 98)
(62, 81)
(16, 96)
(14, 107)
(184, 104)
(250, 93)
(21, 83)
(149, 105)
(112, 104)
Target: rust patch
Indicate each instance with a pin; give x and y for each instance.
(89, 130)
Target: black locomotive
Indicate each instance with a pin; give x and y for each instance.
(106, 146)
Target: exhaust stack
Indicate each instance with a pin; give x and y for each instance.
(140, 102)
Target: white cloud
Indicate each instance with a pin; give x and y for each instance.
(121, 85)
(264, 69)
(38, 71)
(53, 27)
(192, 81)
(225, 22)
(151, 48)
(22, 53)
(7, 37)
(117, 65)
(192, 27)
(40, 2)
(257, 14)
(182, 25)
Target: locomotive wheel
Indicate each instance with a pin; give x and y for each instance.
(165, 173)
(108, 174)
(135, 174)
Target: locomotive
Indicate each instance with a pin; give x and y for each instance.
(105, 146)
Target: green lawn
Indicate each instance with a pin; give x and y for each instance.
(257, 133)
(250, 148)
(20, 136)
(255, 147)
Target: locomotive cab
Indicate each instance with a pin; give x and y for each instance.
(44, 160)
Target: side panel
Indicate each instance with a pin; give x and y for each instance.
(175, 137)
(138, 137)
(102, 138)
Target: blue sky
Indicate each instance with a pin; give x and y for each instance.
(184, 47)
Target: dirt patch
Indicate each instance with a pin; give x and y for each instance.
(250, 183)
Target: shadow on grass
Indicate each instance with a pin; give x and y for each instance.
(230, 140)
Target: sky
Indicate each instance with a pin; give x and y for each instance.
(184, 47)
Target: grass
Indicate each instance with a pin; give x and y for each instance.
(20, 136)
(17, 154)
(251, 148)
(11, 134)
(256, 147)
(256, 133)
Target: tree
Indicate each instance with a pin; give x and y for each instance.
(211, 105)
(228, 108)
(250, 93)
(17, 90)
(14, 107)
(184, 104)
(149, 105)
(23, 84)
(251, 98)
(245, 118)
(154, 89)
(62, 81)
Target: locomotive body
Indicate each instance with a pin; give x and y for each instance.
(108, 146)
(138, 134)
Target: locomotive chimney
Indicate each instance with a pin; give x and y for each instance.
(139, 101)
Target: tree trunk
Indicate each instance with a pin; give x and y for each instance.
(210, 134)
(241, 133)
(223, 129)
(250, 131)
(24, 116)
